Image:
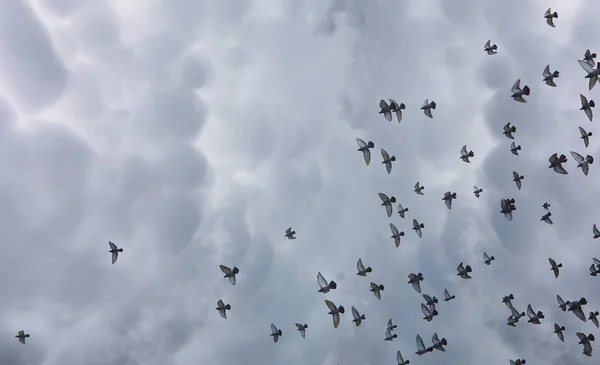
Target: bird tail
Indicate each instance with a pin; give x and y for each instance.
(402, 106)
(589, 134)
(540, 314)
(279, 333)
(305, 326)
(421, 225)
(120, 250)
(435, 300)
(494, 47)
(368, 269)
(370, 144)
(228, 307)
(555, 15)
(27, 335)
(235, 270)
(432, 105)
(444, 342)
(555, 74)
(510, 296)
(513, 129)
(526, 90)
(381, 287)
(591, 337)
(468, 268)
(453, 195)
(341, 309)
(332, 284)
(519, 148)
(592, 104)
(559, 265)
(420, 276)
(562, 328)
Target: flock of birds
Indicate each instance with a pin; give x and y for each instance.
(507, 206)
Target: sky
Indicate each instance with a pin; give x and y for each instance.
(194, 133)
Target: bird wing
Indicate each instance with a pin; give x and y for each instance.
(385, 155)
(546, 72)
(330, 305)
(321, 280)
(577, 157)
(360, 266)
(516, 87)
(586, 66)
(112, 245)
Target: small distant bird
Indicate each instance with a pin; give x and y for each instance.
(358, 318)
(507, 207)
(592, 73)
(335, 311)
(587, 106)
(585, 136)
(556, 163)
(448, 197)
(325, 286)
(390, 325)
(517, 362)
(596, 231)
(550, 16)
(463, 271)
(464, 155)
(428, 313)
(554, 266)
(396, 235)
(230, 273)
(22, 336)
(509, 130)
(385, 110)
(533, 316)
(559, 332)
(387, 160)
(419, 189)
(517, 179)
(389, 336)
(584, 163)
(488, 259)
(376, 289)
(515, 149)
(437, 343)
(415, 280)
(549, 76)
(115, 251)
(546, 218)
(417, 227)
(387, 203)
(276, 333)
(490, 49)
(477, 191)
(400, 360)
(397, 108)
(361, 268)
(585, 341)
(595, 268)
(222, 308)
(401, 210)
(517, 92)
(561, 303)
(427, 107)
(421, 349)
(290, 234)
(447, 296)
(594, 318)
(589, 57)
(364, 148)
(546, 206)
(302, 329)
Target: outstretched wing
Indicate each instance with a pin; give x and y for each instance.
(330, 305)
(225, 269)
(516, 87)
(115, 256)
(420, 345)
(586, 66)
(112, 245)
(577, 157)
(321, 280)
(359, 265)
(546, 72)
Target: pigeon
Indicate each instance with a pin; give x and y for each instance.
(592, 73)
(515, 149)
(276, 333)
(549, 76)
(517, 92)
(596, 231)
(585, 136)
(594, 318)
(427, 312)
(415, 280)
(585, 341)
(448, 197)
(230, 273)
(561, 303)
(419, 189)
(400, 360)
(325, 287)
(390, 325)
(464, 155)
(488, 259)
(507, 207)
(427, 106)
(549, 15)
(509, 130)
(576, 308)
(477, 191)
(595, 269)
(401, 210)
(533, 316)
(490, 49)
(302, 329)
(397, 108)
(554, 266)
(556, 163)
(386, 110)
(517, 179)
(584, 163)
(389, 336)
(546, 206)
(358, 318)
(559, 332)
(463, 271)
(361, 268)
(387, 160)
(587, 106)
(589, 57)
(517, 362)
(376, 289)
(396, 235)
(417, 227)
(290, 234)
(437, 343)
(429, 300)
(364, 148)
(387, 203)
(222, 308)
(546, 218)
(421, 349)
(115, 251)
(447, 296)
(335, 312)
(22, 336)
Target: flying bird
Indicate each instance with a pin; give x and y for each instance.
(365, 149)
(561, 303)
(290, 234)
(427, 107)
(592, 73)
(389, 336)
(397, 108)
(554, 266)
(517, 179)
(376, 289)
(439, 344)
(421, 349)
(419, 189)
(515, 149)
(115, 251)
(22, 336)
(584, 163)
(447, 296)
(517, 92)
(400, 360)
(396, 235)
(302, 329)
(490, 49)
(509, 130)
(546, 206)
(387, 203)
(585, 341)
(559, 332)
(595, 268)
(464, 155)
(448, 197)
(276, 333)
(358, 318)
(390, 325)
(335, 312)
(463, 271)
(401, 210)
(428, 313)
(549, 76)
(546, 218)
(594, 318)
(596, 231)
(556, 163)
(415, 280)
(222, 308)
(507, 207)
(517, 362)
(488, 259)
(387, 160)
(534, 317)
(361, 268)
(589, 57)
(325, 286)
(585, 136)
(550, 16)
(477, 191)
(417, 227)
(587, 106)
(230, 273)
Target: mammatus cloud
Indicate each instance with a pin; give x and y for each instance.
(192, 134)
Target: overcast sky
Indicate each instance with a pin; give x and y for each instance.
(193, 133)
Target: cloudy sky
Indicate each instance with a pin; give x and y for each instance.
(193, 133)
